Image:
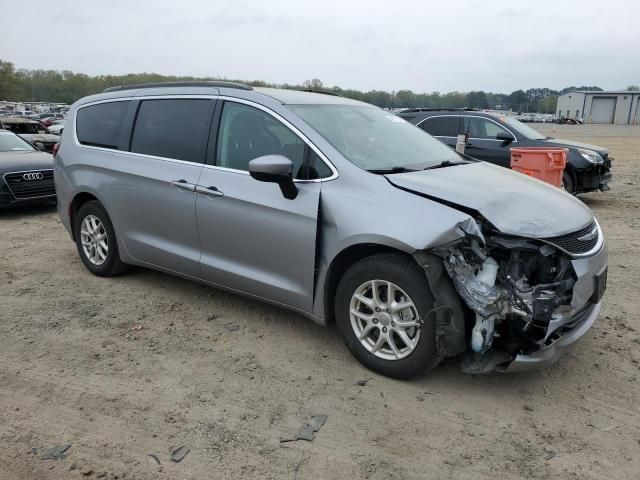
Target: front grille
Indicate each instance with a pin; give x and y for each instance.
(22, 187)
(570, 242)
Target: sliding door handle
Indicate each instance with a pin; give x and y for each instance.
(209, 191)
(184, 185)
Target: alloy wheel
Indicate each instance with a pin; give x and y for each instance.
(95, 242)
(385, 319)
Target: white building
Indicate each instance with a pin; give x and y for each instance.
(622, 108)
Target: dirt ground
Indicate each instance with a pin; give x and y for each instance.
(229, 377)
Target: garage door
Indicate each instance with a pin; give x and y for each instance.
(603, 109)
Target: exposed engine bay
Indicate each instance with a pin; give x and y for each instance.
(517, 288)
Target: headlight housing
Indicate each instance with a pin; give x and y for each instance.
(590, 155)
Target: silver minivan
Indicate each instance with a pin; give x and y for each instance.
(338, 210)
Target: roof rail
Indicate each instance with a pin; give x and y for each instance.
(447, 109)
(216, 83)
(323, 92)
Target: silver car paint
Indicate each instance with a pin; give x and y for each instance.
(354, 207)
(255, 240)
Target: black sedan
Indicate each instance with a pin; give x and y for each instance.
(490, 137)
(26, 174)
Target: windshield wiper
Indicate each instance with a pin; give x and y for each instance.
(446, 163)
(383, 171)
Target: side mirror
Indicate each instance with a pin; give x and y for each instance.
(39, 146)
(276, 169)
(506, 137)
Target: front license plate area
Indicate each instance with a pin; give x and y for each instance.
(600, 285)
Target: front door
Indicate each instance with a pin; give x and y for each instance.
(483, 143)
(253, 239)
(152, 194)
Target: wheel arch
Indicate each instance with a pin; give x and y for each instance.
(449, 309)
(79, 199)
(342, 262)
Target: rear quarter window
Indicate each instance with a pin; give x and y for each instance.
(101, 125)
(446, 126)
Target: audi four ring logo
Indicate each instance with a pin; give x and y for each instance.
(33, 176)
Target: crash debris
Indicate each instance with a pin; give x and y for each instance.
(309, 429)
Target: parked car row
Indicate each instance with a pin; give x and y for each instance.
(32, 131)
(340, 211)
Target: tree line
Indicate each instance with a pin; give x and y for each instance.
(67, 87)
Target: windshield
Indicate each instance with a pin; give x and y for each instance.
(524, 130)
(374, 139)
(12, 143)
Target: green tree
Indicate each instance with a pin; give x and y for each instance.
(8, 84)
(477, 100)
(313, 84)
(548, 104)
(633, 88)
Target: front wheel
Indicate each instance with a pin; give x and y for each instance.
(383, 311)
(568, 183)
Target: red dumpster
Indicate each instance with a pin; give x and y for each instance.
(546, 164)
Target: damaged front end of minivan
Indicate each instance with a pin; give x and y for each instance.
(519, 293)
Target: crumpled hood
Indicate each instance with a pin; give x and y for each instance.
(570, 143)
(514, 203)
(22, 161)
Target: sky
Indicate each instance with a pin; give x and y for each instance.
(421, 45)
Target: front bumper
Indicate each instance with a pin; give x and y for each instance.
(595, 178)
(549, 355)
(563, 334)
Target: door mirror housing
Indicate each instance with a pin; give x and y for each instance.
(506, 137)
(39, 146)
(275, 169)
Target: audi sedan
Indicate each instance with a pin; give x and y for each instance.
(26, 173)
(335, 209)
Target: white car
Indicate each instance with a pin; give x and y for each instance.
(57, 127)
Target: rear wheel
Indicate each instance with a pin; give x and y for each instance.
(96, 240)
(383, 312)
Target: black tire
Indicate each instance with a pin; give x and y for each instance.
(112, 264)
(406, 274)
(568, 182)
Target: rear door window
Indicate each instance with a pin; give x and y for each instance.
(100, 125)
(447, 126)
(173, 128)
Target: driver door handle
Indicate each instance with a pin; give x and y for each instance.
(183, 185)
(209, 191)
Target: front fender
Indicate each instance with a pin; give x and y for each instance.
(389, 217)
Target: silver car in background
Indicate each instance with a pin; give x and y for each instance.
(335, 209)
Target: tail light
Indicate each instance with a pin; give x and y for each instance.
(56, 147)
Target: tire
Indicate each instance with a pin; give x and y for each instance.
(405, 274)
(568, 182)
(111, 264)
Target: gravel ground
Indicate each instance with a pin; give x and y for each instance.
(229, 377)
